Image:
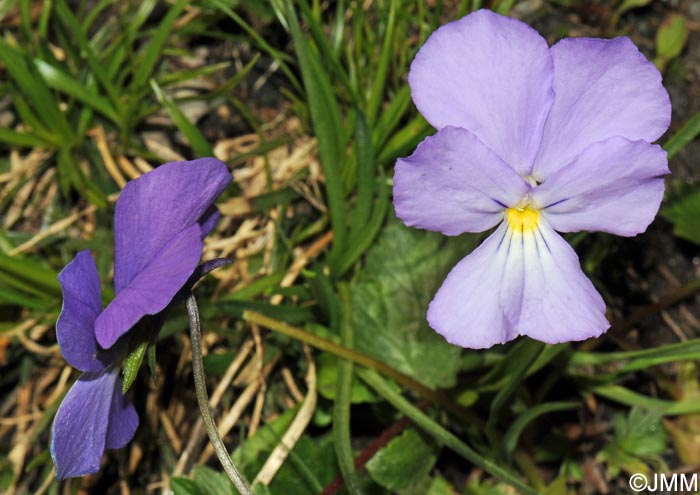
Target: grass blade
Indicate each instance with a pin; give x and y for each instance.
(683, 136)
(341, 406)
(328, 127)
(154, 48)
(61, 81)
(199, 143)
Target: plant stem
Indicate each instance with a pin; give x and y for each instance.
(203, 399)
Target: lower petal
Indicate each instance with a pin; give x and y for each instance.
(80, 428)
(518, 282)
(560, 304)
(478, 301)
(123, 419)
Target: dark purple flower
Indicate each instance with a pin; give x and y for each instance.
(160, 222)
(535, 139)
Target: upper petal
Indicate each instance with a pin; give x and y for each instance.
(479, 300)
(614, 186)
(159, 205)
(603, 88)
(453, 184)
(559, 303)
(491, 75)
(153, 288)
(75, 328)
(81, 423)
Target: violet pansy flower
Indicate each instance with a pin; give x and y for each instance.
(532, 139)
(160, 222)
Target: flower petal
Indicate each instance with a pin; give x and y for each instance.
(453, 184)
(208, 220)
(75, 328)
(614, 186)
(603, 88)
(518, 283)
(468, 309)
(491, 75)
(153, 288)
(123, 419)
(559, 303)
(80, 427)
(158, 206)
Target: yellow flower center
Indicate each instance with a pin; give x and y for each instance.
(522, 219)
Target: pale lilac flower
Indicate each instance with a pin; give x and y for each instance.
(160, 222)
(536, 139)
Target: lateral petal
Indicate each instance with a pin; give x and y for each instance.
(454, 184)
(614, 186)
(75, 328)
(603, 88)
(153, 288)
(491, 75)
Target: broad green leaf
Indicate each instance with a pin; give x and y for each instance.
(213, 482)
(328, 377)
(184, 486)
(310, 466)
(640, 433)
(440, 486)
(390, 297)
(670, 40)
(640, 440)
(405, 461)
(684, 214)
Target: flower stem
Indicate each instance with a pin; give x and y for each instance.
(203, 399)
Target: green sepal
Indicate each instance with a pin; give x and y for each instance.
(132, 363)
